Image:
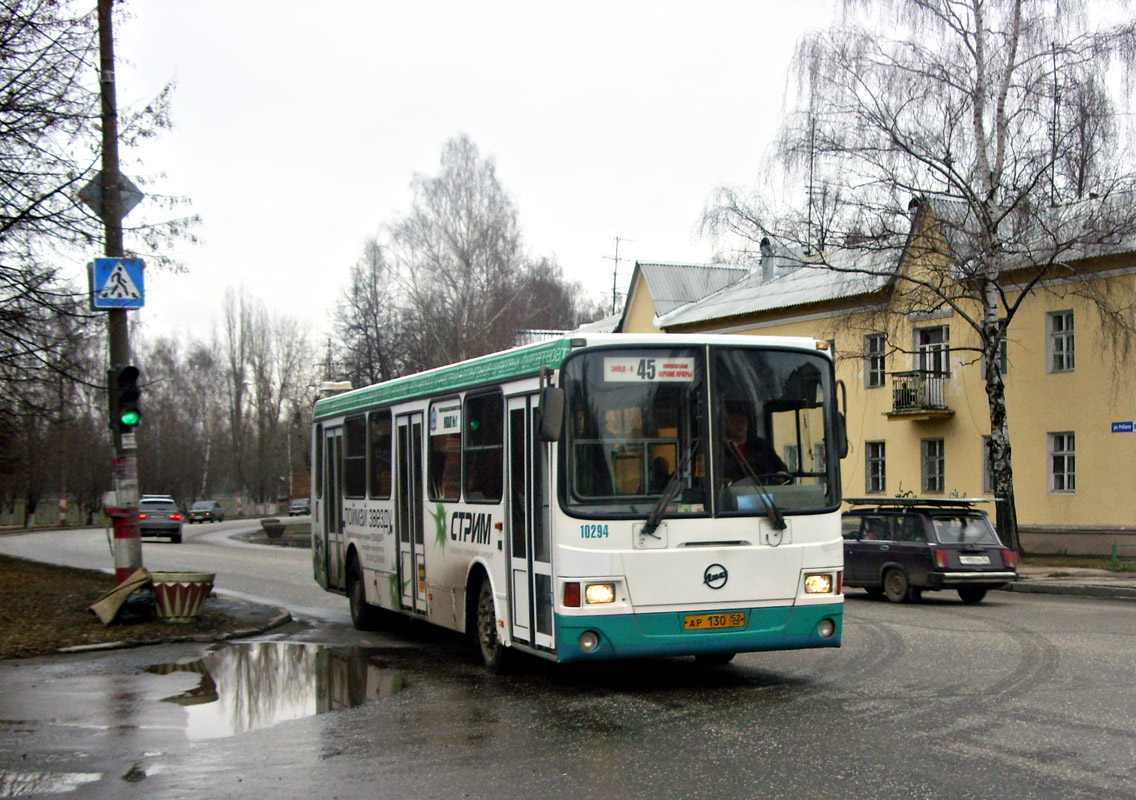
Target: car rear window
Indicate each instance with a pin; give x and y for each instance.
(157, 505)
(964, 530)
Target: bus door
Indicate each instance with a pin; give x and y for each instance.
(333, 507)
(409, 511)
(530, 544)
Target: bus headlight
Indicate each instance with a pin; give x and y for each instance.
(600, 593)
(818, 583)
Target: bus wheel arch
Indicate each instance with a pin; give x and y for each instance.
(481, 622)
(364, 616)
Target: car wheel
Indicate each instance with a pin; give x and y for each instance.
(494, 655)
(364, 616)
(895, 585)
(176, 538)
(714, 659)
(874, 592)
(971, 594)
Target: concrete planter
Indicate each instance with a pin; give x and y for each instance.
(273, 528)
(181, 595)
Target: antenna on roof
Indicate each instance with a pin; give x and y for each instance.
(615, 270)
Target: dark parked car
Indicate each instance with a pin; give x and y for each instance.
(205, 511)
(299, 507)
(902, 546)
(160, 516)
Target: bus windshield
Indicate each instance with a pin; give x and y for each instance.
(636, 414)
(633, 415)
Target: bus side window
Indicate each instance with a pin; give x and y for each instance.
(483, 454)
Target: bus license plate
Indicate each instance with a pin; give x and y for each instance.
(706, 622)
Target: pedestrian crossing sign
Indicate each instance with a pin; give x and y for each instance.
(117, 283)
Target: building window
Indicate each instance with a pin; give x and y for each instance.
(874, 360)
(934, 466)
(932, 350)
(1062, 462)
(876, 469)
(1060, 346)
(987, 467)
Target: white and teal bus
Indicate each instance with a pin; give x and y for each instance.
(593, 497)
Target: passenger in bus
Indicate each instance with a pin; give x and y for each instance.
(761, 457)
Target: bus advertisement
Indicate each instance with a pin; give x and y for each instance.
(593, 497)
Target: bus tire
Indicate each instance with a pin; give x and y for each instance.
(896, 585)
(364, 616)
(494, 655)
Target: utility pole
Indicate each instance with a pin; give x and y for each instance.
(615, 270)
(124, 516)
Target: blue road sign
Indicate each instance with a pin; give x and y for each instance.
(1123, 427)
(117, 283)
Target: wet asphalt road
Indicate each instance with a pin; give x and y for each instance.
(1025, 696)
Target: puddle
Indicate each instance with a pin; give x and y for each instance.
(27, 784)
(248, 686)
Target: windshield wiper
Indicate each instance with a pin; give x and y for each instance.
(776, 518)
(669, 493)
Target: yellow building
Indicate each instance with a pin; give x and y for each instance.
(918, 415)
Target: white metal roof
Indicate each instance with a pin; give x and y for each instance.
(805, 284)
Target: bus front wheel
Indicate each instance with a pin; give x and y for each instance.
(494, 655)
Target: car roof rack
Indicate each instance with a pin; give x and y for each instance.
(943, 502)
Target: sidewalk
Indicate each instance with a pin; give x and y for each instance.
(1079, 581)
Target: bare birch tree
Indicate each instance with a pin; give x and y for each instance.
(1001, 116)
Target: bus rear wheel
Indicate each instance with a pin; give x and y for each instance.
(364, 616)
(494, 655)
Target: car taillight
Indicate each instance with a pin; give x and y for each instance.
(175, 516)
(940, 558)
(143, 516)
(1010, 559)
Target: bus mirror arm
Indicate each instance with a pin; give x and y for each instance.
(551, 413)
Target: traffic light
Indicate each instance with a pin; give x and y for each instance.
(124, 411)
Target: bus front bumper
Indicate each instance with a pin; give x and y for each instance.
(663, 634)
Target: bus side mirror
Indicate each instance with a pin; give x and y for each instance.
(551, 413)
(841, 435)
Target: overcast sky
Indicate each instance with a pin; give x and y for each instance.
(299, 126)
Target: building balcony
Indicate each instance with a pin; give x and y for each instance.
(919, 395)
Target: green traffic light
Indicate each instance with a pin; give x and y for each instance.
(129, 418)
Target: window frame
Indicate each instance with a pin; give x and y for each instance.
(930, 353)
(875, 360)
(355, 458)
(1062, 445)
(432, 452)
(933, 465)
(472, 452)
(875, 455)
(374, 469)
(1060, 343)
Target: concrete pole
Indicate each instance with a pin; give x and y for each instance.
(127, 536)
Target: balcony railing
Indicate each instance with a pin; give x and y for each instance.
(918, 391)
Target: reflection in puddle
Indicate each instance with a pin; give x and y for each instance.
(28, 784)
(243, 687)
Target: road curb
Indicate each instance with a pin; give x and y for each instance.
(1073, 590)
(281, 616)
